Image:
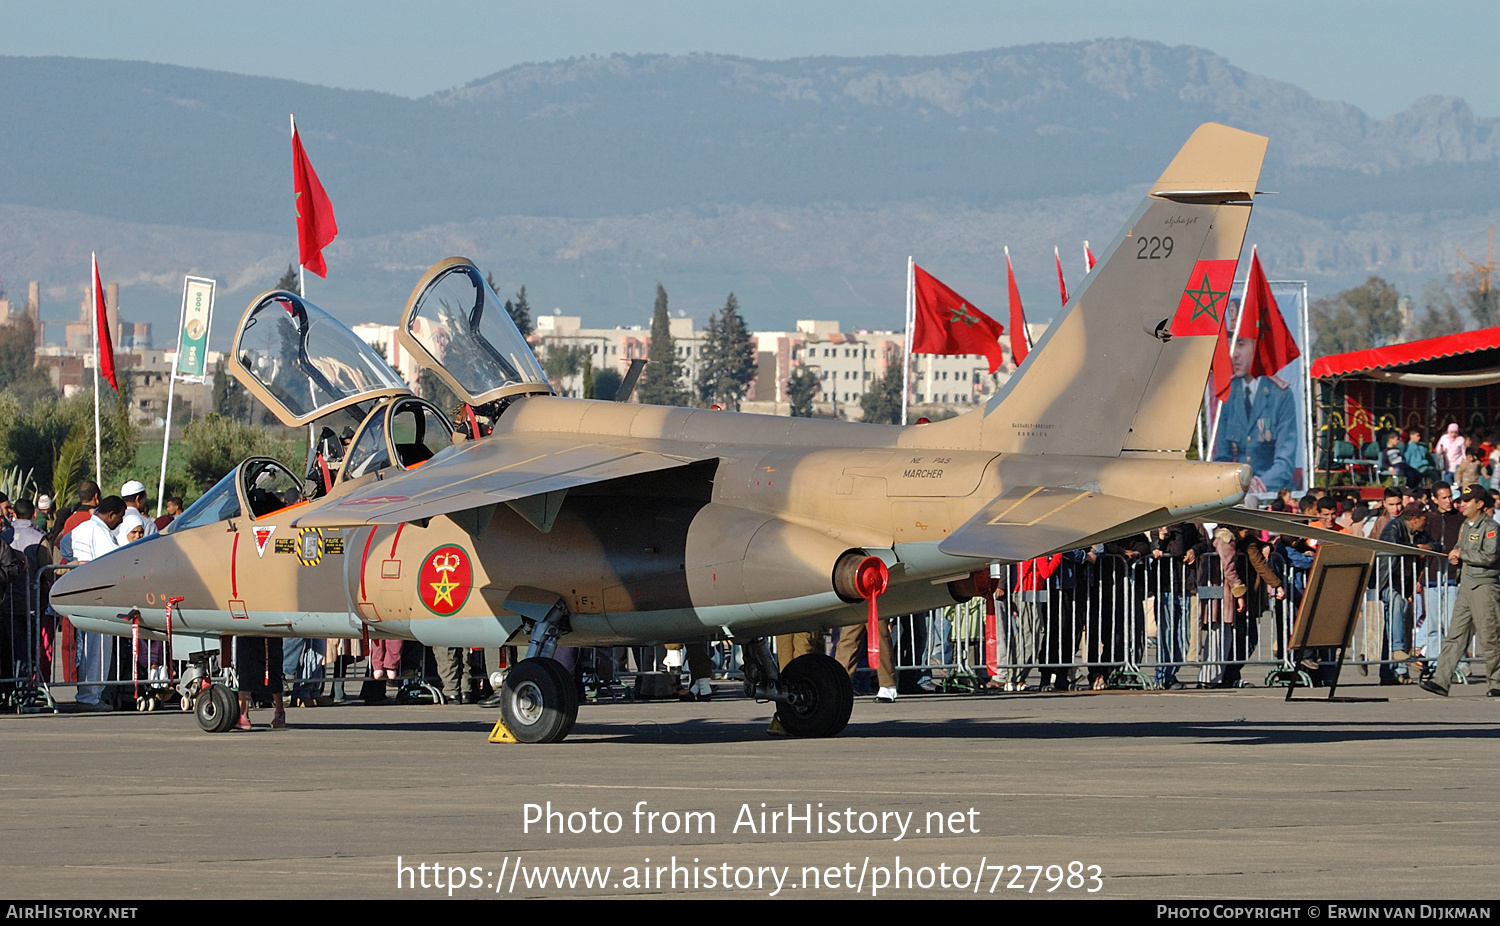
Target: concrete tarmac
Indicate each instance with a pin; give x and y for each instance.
(1205, 795)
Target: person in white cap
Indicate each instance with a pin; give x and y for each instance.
(134, 494)
(43, 512)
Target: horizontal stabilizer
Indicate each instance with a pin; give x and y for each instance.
(1266, 521)
(1031, 521)
(501, 468)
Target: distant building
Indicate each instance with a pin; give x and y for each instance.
(846, 363)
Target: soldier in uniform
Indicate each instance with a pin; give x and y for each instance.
(1478, 608)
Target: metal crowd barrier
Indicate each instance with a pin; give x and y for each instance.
(1149, 623)
(1104, 621)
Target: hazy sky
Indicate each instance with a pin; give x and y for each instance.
(1376, 54)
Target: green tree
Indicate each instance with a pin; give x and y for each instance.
(55, 438)
(17, 351)
(727, 367)
(605, 385)
(802, 389)
(1365, 316)
(291, 281)
(214, 445)
(1441, 314)
(661, 383)
(564, 361)
(881, 403)
(519, 311)
(231, 400)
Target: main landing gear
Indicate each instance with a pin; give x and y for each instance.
(539, 700)
(813, 696)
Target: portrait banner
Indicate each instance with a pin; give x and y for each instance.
(1264, 420)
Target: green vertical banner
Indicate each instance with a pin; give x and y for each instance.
(192, 336)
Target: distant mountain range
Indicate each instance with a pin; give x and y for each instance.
(801, 184)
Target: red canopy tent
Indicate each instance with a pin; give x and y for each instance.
(1366, 394)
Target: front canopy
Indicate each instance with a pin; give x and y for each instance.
(302, 363)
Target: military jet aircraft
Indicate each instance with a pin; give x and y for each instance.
(608, 523)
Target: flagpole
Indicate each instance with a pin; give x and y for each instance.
(94, 311)
(1213, 436)
(906, 347)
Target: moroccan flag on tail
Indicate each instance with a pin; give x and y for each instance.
(1274, 345)
(946, 323)
(104, 342)
(316, 227)
(1088, 256)
(1062, 288)
(1020, 338)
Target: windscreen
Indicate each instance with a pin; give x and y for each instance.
(462, 326)
(307, 360)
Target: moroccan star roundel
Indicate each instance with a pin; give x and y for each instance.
(445, 579)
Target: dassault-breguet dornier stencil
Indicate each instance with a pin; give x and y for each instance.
(577, 522)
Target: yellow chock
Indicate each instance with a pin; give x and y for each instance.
(502, 734)
(776, 729)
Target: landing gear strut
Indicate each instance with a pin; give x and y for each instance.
(814, 696)
(539, 699)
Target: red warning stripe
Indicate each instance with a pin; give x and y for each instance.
(365, 558)
(234, 559)
(397, 539)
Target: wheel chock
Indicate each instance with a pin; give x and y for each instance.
(502, 734)
(776, 729)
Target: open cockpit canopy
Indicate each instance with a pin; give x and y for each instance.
(302, 363)
(455, 326)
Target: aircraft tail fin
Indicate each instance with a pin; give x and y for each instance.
(1123, 367)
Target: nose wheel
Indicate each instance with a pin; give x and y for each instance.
(216, 709)
(539, 701)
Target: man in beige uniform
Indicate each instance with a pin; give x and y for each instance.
(1477, 610)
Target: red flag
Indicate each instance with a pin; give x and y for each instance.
(1088, 256)
(1274, 345)
(315, 223)
(104, 344)
(1062, 288)
(1223, 363)
(1205, 299)
(1020, 338)
(947, 324)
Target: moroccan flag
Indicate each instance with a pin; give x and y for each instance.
(1223, 363)
(1062, 288)
(105, 343)
(1274, 345)
(316, 227)
(1205, 299)
(1088, 256)
(1020, 338)
(946, 324)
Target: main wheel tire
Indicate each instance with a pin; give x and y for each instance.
(821, 697)
(217, 709)
(539, 702)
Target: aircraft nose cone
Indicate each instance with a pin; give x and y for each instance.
(86, 581)
(1246, 474)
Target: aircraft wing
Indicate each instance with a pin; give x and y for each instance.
(1031, 521)
(1267, 521)
(500, 468)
